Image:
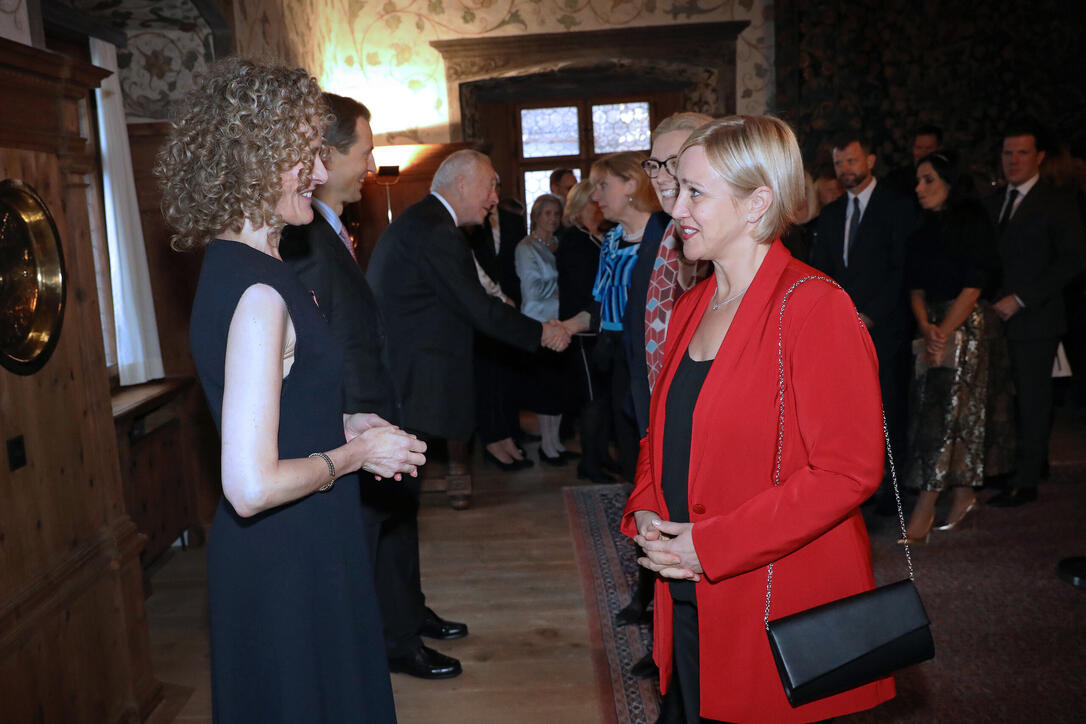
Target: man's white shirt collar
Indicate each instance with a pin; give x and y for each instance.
(326, 211)
(1024, 188)
(456, 222)
(864, 195)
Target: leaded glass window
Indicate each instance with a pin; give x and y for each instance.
(620, 127)
(537, 183)
(550, 132)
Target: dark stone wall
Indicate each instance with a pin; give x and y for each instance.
(887, 66)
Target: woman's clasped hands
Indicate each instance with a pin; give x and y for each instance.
(934, 343)
(384, 449)
(669, 547)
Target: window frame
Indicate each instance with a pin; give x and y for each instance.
(583, 160)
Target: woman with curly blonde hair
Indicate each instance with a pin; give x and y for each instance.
(295, 630)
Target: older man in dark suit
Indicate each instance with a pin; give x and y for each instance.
(862, 245)
(322, 254)
(1041, 249)
(429, 294)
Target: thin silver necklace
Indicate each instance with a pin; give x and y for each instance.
(718, 305)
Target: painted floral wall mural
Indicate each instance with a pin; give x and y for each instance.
(169, 45)
(379, 52)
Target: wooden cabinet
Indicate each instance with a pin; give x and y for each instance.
(73, 634)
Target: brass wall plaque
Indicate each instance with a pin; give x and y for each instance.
(32, 287)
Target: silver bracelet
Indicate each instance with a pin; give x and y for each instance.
(331, 471)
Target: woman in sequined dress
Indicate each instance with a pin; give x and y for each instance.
(956, 412)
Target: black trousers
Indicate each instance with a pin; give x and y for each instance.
(894, 359)
(610, 357)
(687, 669)
(1031, 372)
(391, 511)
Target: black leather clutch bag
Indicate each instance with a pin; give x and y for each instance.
(850, 642)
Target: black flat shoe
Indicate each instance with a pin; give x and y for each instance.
(633, 615)
(425, 663)
(507, 467)
(435, 627)
(645, 668)
(557, 461)
(570, 455)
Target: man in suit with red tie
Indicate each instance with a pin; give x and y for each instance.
(322, 254)
(862, 241)
(1041, 249)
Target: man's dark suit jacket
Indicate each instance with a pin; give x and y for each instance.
(633, 320)
(1041, 250)
(430, 298)
(875, 275)
(330, 273)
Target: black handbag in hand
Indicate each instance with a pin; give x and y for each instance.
(856, 640)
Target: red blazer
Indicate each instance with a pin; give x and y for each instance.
(810, 526)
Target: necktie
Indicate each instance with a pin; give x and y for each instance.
(663, 289)
(347, 241)
(853, 225)
(1008, 208)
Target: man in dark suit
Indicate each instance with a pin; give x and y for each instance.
(1041, 249)
(927, 140)
(862, 238)
(428, 290)
(322, 254)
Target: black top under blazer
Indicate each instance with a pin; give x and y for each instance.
(329, 272)
(1041, 250)
(428, 291)
(875, 275)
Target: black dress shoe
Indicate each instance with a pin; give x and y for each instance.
(557, 461)
(569, 454)
(425, 663)
(508, 467)
(435, 627)
(1013, 497)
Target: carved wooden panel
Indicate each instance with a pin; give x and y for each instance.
(705, 46)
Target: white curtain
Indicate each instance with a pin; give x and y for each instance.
(138, 355)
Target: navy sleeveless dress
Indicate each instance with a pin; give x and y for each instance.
(295, 629)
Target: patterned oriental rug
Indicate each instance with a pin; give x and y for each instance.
(606, 559)
(1010, 636)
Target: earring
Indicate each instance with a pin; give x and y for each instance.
(629, 199)
(751, 219)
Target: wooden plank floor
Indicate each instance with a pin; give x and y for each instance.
(505, 567)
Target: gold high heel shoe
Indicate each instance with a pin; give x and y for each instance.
(958, 524)
(917, 540)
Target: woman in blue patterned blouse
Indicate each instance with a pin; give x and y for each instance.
(625, 196)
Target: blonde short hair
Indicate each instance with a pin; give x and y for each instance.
(577, 198)
(749, 152)
(685, 121)
(626, 165)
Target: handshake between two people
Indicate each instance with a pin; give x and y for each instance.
(557, 334)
